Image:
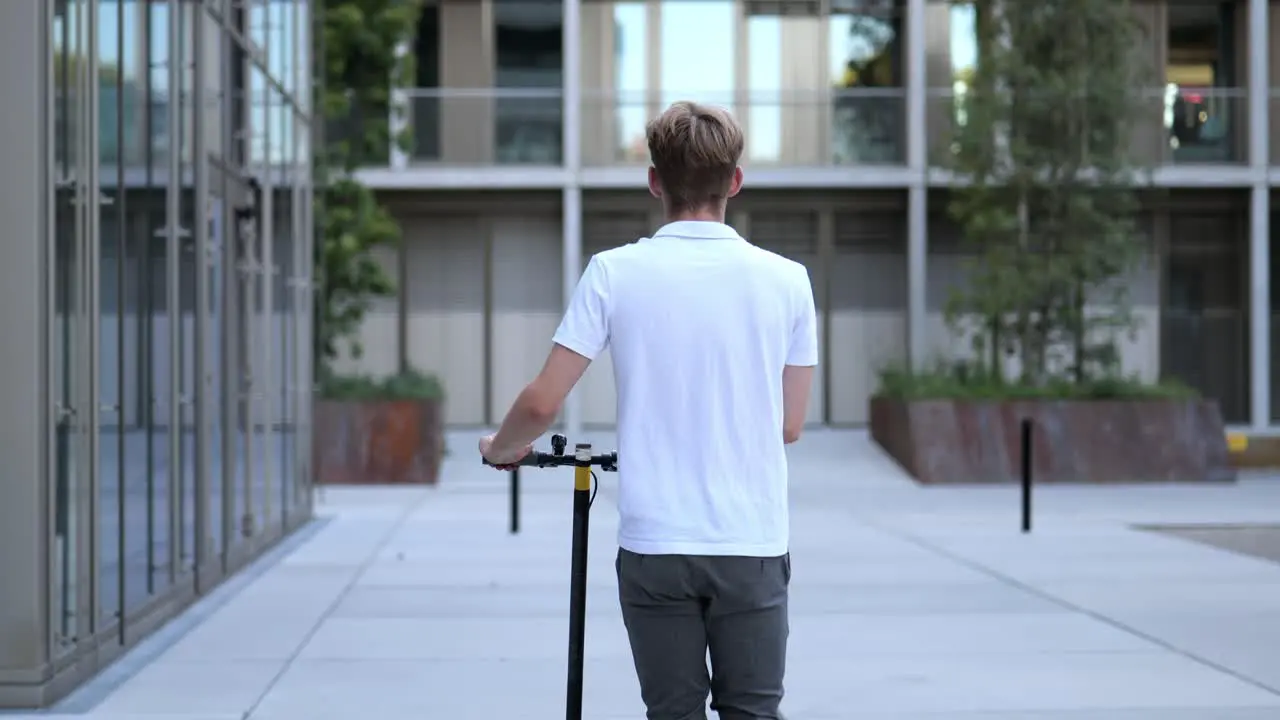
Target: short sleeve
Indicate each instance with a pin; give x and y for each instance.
(803, 351)
(585, 327)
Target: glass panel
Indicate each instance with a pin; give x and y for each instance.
(113, 279)
(246, 237)
(764, 125)
(187, 269)
(697, 35)
(67, 108)
(281, 55)
(155, 323)
(424, 105)
(1202, 103)
(300, 366)
(140, 208)
(866, 63)
(952, 58)
(529, 47)
(631, 80)
(279, 381)
(218, 473)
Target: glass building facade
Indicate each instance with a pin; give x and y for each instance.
(156, 348)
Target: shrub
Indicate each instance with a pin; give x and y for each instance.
(961, 382)
(406, 385)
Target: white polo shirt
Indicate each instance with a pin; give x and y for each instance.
(700, 324)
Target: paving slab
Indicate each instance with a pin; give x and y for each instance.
(908, 603)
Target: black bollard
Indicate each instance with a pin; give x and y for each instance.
(1026, 475)
(515, 500)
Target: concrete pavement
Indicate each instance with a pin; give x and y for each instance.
(907, 604)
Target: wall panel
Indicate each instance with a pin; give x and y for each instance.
(527, 303)
(444, 303)
(868, 307)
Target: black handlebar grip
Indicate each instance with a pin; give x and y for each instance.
(530, 459)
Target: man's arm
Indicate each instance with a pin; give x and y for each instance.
(538, 404)
(802, 357)
(582, 335)
(796, 382)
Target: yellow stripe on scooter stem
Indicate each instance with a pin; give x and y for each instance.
(581, 478)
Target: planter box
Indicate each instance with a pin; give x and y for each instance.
(385, 442)
(1084, 441)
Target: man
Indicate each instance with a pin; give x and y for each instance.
(714, 343)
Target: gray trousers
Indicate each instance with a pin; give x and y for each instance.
(677, 608)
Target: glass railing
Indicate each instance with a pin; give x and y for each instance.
(1204, 125)
(843, 127)
(486, 126)
(1180, 126)
(790, 128)
(497, 126)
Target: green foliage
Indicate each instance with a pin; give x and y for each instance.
(1046, 200)
(359, 69)
(408, 384)
(962, 382)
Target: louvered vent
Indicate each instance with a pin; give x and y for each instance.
(869, 270)
(790, 234)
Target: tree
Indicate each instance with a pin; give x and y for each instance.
(360, 67)
(1046, 185)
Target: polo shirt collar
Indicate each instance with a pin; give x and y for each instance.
(697, 230)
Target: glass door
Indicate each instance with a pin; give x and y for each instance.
(71, 342)
(65, 341)
(248, 347)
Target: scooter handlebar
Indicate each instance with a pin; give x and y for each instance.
(607, 462)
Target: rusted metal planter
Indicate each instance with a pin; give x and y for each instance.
(377, 442)
(1081, 441)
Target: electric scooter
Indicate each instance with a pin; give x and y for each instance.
(583, 495)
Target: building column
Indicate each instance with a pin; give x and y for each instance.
(25, 494)
(571, 247)
(917, 192)
(1260, 217)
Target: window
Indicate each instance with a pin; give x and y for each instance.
(697, 49)
(529, 46)
(424, 109)
(865, 41)
(1199, 81)
(631, 78)
(764, 78)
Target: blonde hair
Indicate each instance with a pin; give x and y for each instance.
(695, 150)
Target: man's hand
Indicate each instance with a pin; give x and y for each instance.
(502, 459)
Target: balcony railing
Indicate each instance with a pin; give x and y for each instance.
(499, 126)
(863, 127)
(1181, 126)
(790, 128)
(485, 126)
